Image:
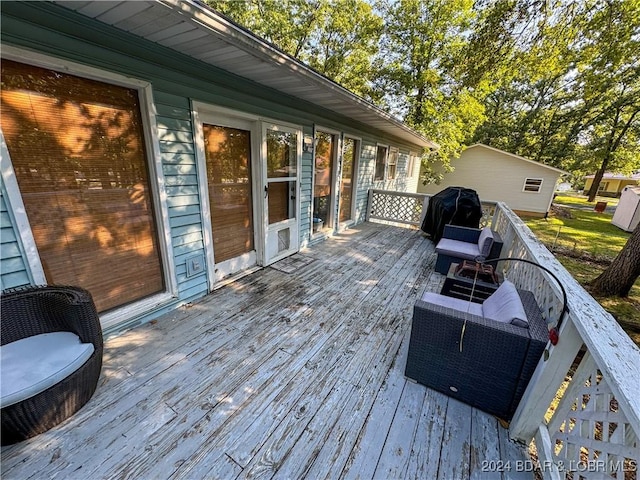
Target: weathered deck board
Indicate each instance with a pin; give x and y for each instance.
(278, 375)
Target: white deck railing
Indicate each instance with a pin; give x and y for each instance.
(582, 405)
(408, 208)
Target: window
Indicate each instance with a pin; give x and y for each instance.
(392, 164)
(381, 159)
(78, 151)
(282, 159)
(350, 150)
(324, 181)
(532, 185)
(414, 164)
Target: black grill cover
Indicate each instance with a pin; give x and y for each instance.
(455, 206)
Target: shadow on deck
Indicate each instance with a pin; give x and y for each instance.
(283, 375)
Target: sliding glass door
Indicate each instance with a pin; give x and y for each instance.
(347, 180)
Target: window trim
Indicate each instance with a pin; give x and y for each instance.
(119, 315)
(375, 163)
(356, 169)
(335, 180)
(535, 180)
(413, 160)
(396, 151)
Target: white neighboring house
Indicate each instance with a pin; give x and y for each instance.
(526, 186)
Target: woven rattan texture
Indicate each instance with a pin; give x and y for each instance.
(480, 362)
(36, 310)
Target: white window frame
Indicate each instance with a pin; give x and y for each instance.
(118, 315)
(335, 187)
(261, 227)
(530, 186)
(356, 168)
(375, 163)
(413, 160)
(393, 152)
(200, 113)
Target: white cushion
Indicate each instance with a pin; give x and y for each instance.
(454, 303)
(31, 365)
(456, 248)
(504, 305)
(485, 241)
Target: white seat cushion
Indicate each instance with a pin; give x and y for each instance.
(31, 365)
(456, 248)
(454, 303)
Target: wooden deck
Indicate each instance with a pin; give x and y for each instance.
(279, 375)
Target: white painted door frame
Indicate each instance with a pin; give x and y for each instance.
(212, 115)
(289, 229)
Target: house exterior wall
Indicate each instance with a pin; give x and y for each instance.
(176, 82)
(499, 177)
(14, 269)
(613, 186)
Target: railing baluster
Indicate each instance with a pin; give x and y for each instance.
(595, 424)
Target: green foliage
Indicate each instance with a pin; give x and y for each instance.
(593, 234)
(422, 45)
(575, 102)
(338, 38)
(557, 81)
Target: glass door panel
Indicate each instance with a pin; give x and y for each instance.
(281, 201)
(282, 152)
(347, 180)
(228, 167)
(323, 181)
(77, 149)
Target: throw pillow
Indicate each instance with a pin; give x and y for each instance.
(505, 306)
(485, 241)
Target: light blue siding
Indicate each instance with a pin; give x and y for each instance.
(366, 169)
(175, 133)
(13, 266)
(176, 81)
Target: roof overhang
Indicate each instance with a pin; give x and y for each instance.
(193, 29)
(482, 145)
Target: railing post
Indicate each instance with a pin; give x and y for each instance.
(425, 205)
(544, 384)
(369, 202)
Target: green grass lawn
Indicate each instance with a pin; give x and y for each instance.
(584, 241)
(579, 200)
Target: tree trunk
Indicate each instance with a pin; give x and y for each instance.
(620, 276)
(593, 191)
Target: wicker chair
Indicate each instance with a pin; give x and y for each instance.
(31, 311)
(491, 369)
(463, 243)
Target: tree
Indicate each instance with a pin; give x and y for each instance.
(344, 44)
(620, 276)
(611, 73)
(420, 76)
(337, 38)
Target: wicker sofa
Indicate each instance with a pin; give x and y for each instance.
(458, 351)
(51, 357)
(464, 243)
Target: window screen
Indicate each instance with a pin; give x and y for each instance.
(381, 158)
(393, 164)
(532, 185)
(77, 149)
